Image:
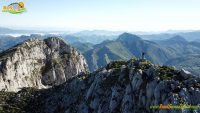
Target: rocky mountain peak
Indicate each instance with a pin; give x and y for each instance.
(121, 87)
(39, 63)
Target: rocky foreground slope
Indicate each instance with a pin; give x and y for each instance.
(39, 63)
(120, 87)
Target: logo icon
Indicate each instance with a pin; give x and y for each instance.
(15, 8)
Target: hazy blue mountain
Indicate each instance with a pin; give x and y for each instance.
(96, 39)
(197, 40)
(125, 47)
(187, 53)
(128, 45)
(5, 30)
(82, 47)
(103, 54)
(72, 39)
(85, 37)
(13, 31)
(195, 43)
(179, 46)
(161, 36)
(5, 42)
(98, 32)
(188, 62)
(189, 35)
(9, 41)
(136, 45)
(67, 38)
(174, 40)
(100, 47)
(97, 36)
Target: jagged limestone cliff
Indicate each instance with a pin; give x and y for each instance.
(120, 87)
(39, 63)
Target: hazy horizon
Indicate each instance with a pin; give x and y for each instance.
(46, 29)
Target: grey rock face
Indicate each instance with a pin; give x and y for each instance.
(185, 74)
(121, 88)
(39, 63)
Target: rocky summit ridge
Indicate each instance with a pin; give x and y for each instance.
(121, 87)
(39, 63)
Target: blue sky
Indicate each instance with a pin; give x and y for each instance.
(116, 15)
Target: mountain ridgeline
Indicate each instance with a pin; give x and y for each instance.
(132, 86)
(188, 62)
(128, 46)
(39, 63)
(125, 47)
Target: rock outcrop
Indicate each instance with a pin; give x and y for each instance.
(39, 63)
(121, 87)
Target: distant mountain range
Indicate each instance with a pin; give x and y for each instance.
(101, 47)
(188, 62)
(97, 36)
(128, 46)
(125, 47)
(10, 31)
(189, 35)
(9, 41)
(83, 47)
